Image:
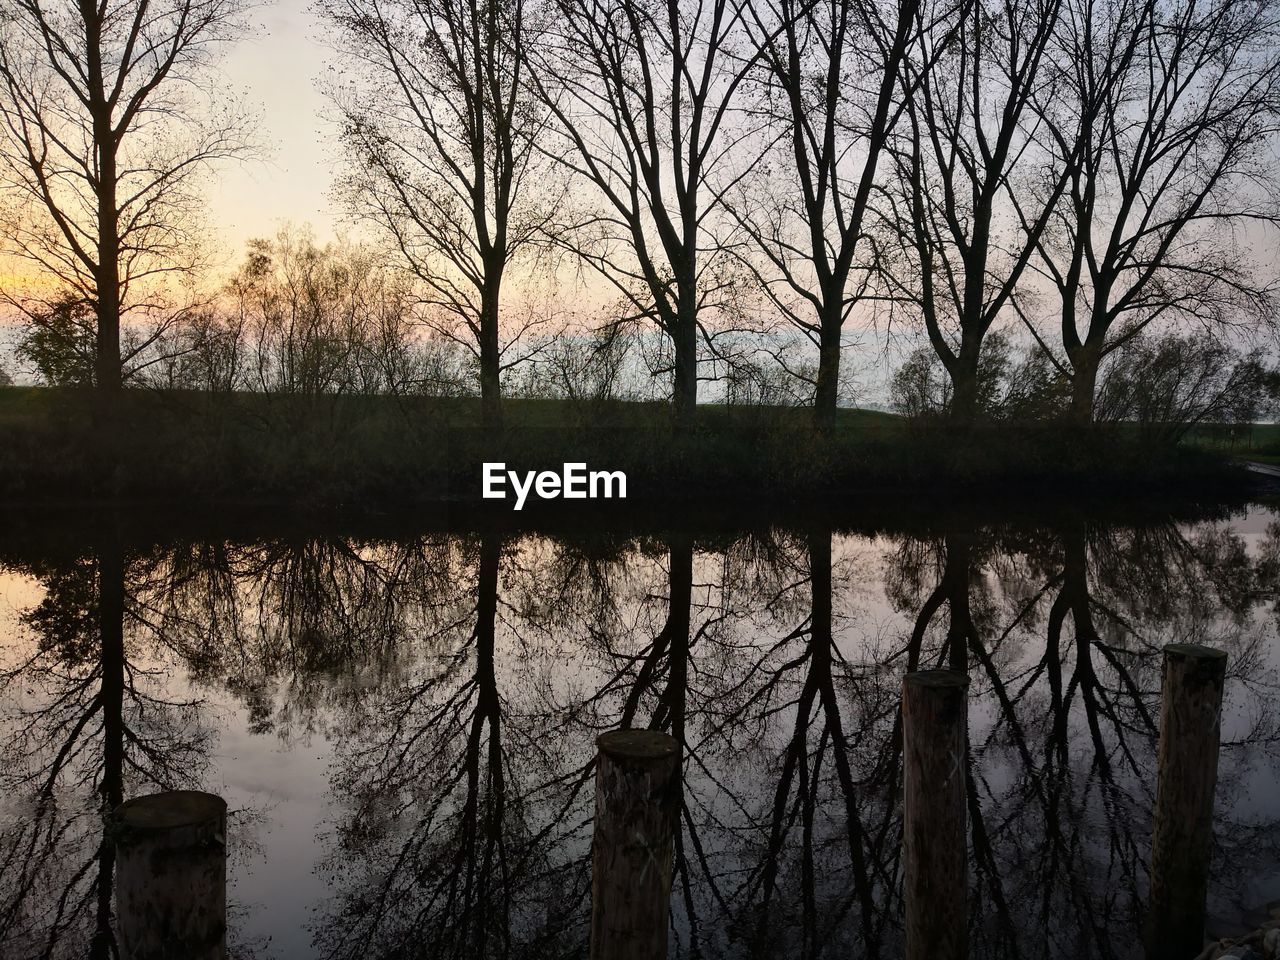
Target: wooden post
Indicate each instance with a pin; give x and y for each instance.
(171, 877)
(934, 720)
(1190, 719)
(637, 808)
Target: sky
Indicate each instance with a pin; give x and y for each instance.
(275, 69)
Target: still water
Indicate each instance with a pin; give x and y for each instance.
(403, 722)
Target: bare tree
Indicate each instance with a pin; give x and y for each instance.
(318, 319)
(832, 82)
(440, 130)
(967, 211)
(1171, 110)
(109, 115)
(642, 92)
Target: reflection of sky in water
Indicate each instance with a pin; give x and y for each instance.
(301, 675)
(279, 791)
(1258, 792)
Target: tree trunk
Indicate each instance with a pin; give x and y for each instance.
(111, 638)
(111, 595)
(671, 712)
(826, 395)
(481, 756)
(107, 276)
(684, 339)
(1084, 385)
(964, 382)
(488, 704)
(957, 574)
(490, 375)
(107, 371)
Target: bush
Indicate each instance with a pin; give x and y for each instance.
(1031, 388)
(1168, 384)
(60, 342)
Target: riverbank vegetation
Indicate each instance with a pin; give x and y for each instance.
(307, 382)
(380, 452)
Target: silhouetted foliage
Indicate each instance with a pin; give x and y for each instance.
(1008, 388)
(321, 320)
(1169, 384)
(61, 343)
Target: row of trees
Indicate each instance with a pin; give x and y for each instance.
(1080, 165)
(299, 319)
(1078, 169)
(302, 319)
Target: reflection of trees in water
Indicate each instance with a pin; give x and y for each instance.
(322, 618)
(815, 840)
(685, 648)
(451, 811)
(88, 724)
(1066, 658)
(463, 681)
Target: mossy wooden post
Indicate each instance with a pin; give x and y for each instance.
(934, 718)
(171, 877)
(637, 807)
(1190, 722)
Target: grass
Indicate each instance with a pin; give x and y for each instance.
(384, 452)
(1259, 442)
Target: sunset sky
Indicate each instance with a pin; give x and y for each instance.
(274, 70)
(273, 74)
(277, 67)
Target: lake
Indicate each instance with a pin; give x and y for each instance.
(402, 719)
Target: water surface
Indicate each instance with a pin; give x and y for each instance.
(403, 723)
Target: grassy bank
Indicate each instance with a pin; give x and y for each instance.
(386, 451)
(1258, 441)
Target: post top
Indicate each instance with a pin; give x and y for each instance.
(936, 678)
(175, 808)
(1194, 651)
(637, 744)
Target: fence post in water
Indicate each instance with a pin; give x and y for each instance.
(637, 808)
(934, 720)
(1190, 720)
(171, 877)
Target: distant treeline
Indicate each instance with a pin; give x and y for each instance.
(302, 319)
(1060, 208)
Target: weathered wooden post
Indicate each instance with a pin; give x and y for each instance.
(1190, 723)
(171, 877)
(934, 720)
(637, 808)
